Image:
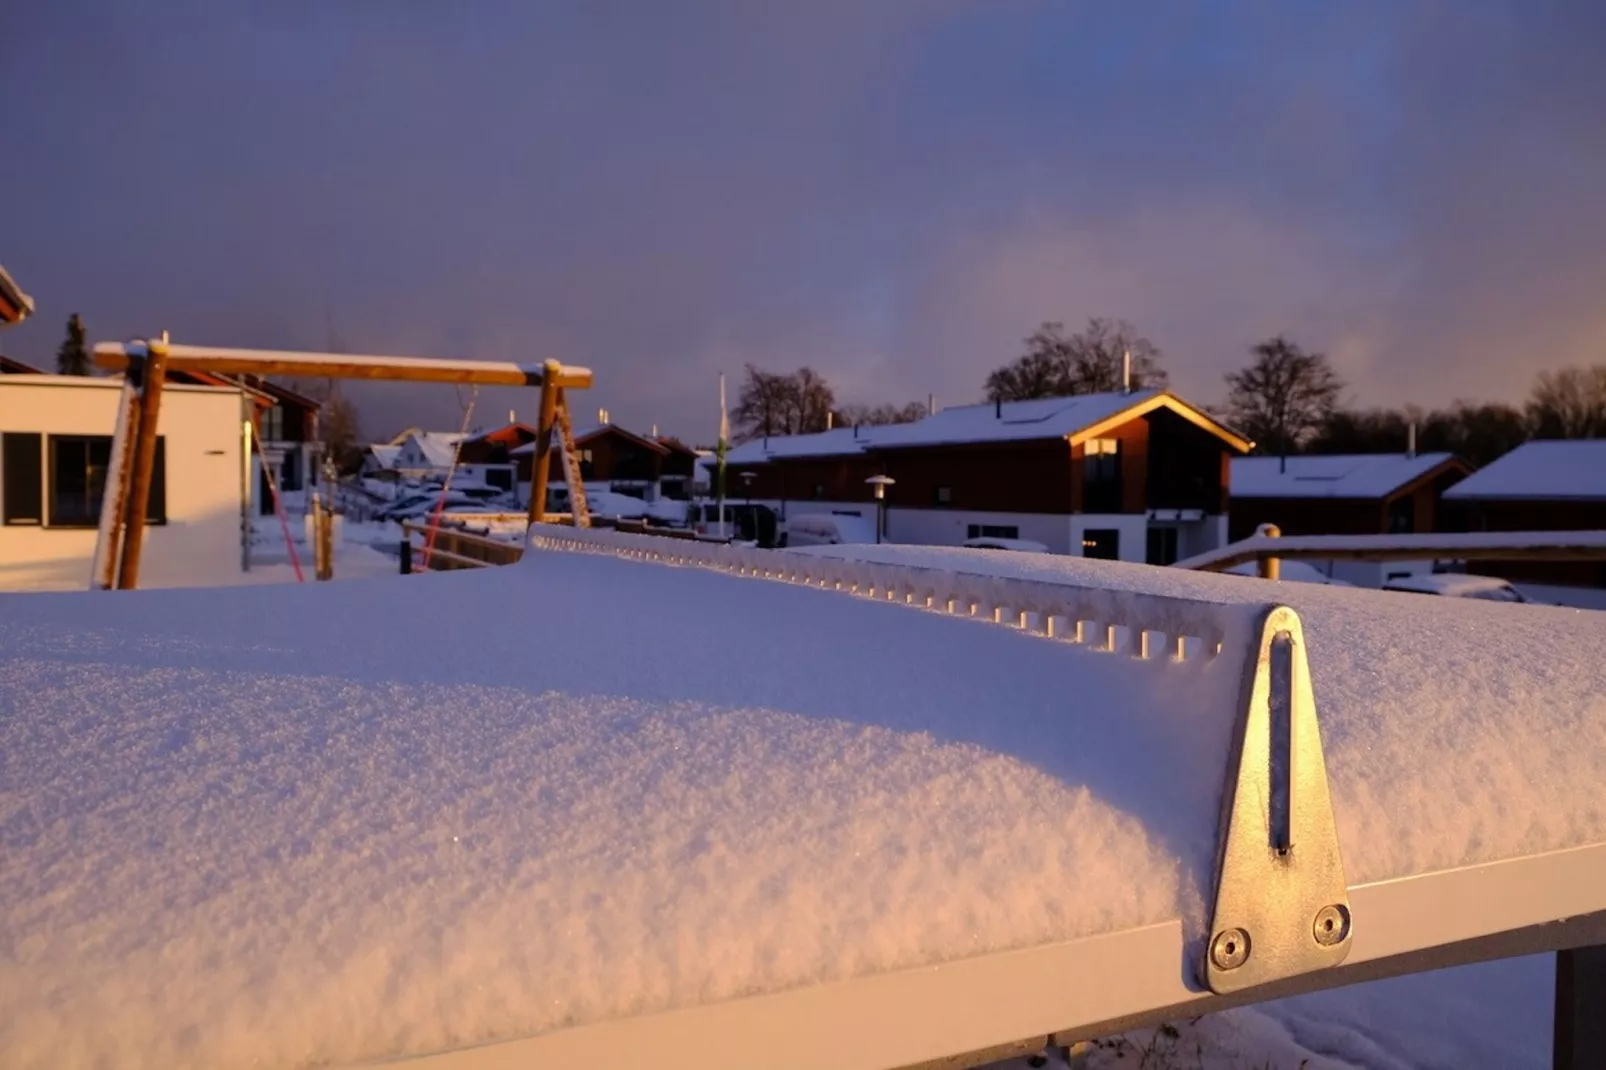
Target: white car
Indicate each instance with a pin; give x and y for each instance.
(827, 529)
(1025, 546)
(1457, 585)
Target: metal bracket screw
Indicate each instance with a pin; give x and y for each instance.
(1332, 925)
(1230, 949)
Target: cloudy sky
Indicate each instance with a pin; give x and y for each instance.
(895, 193)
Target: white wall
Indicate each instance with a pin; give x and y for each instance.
(200, 543)
(1134, 529)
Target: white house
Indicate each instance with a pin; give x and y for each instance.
(55, 445)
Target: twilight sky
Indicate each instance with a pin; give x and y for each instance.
(894, 192)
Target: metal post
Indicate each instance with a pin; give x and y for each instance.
(543, 443)
(142, 464)
(1268, 568)
(1580, 1026)
(406, 554)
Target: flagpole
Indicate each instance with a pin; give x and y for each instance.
(722, 449)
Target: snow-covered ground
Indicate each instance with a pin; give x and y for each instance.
(285, 826)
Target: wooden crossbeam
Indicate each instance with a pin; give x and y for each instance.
(116, 356)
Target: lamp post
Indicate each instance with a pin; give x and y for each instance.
(878, 486)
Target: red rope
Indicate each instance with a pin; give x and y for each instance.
(278, 503)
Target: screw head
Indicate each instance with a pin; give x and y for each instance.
(1230, 949)
(1331, 926)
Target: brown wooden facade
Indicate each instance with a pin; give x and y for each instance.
(1533, 514)
(1164, 461)
(1411, 507)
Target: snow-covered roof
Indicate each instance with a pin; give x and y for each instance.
(437, 448)
(385, 455)
(1012, 421)
(14, 298)
(1575, 468)
(1341, 475)
(295, 841)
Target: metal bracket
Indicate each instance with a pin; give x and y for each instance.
(1281, 900)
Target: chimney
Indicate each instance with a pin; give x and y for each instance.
(654, 430)
(602, 416)
(1126, 371)
(830, 420)
(512, 417)
(1410, 439)
(931, 404)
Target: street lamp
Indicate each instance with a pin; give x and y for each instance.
(878, 486)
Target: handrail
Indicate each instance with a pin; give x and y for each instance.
(1468, 546)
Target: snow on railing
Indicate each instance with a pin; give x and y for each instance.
(1144, 626)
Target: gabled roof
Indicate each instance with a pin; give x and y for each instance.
(517, 430)
(385, 454)
(671, 444)
(259, 397)
(1572, 469)
(15, 306)
(12, 366)
(1339, 475)
(587, 434)
(1075, 419)
(438, 448)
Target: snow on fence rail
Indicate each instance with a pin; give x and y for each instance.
(1144, 626)
(1465, 546)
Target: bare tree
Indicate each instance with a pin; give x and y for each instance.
(1056, 364)
(1284, 396)
(771, 404)
(1570, 403)
(1477, 432)
(880, 415)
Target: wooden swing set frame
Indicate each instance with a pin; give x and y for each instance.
(145, 365)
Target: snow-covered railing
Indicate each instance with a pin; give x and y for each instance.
(1466, 546)
(1144, 626)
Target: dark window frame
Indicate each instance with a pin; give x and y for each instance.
(1091, 538)
(89, 516)
(942, 495)
(22, 505)
(1166, 552)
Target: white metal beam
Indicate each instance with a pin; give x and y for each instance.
(1079, 988)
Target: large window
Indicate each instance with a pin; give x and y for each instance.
(1402, 516)
(273, 424)
(78, 466)
(22, 485)
(1101, 476)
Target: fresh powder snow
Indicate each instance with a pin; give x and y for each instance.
(289, 826)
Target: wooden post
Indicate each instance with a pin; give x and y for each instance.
(1580, 1025)
(323, 542)
(141, 465)
(542, 457)
(109, 540)
(1269, 568)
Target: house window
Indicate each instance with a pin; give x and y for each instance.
(273, 424)
(1101, 476)
(1162, 548)
(501, 478)
(1402, 516)
(1102, 543)
(993, 531)
(78, 466)
(587, 469)
(943, 496)
(22, 491)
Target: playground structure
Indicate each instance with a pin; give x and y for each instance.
(145, 365)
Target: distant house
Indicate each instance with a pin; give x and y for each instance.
(433, 455)
(15, 306)
(1539, 486)
(55, 447)
(1138, 476)
(427, 454)
(640, 466)
(490, 453)
(1344, 494)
